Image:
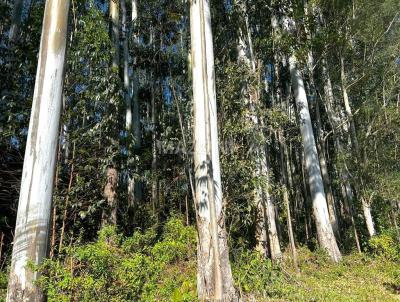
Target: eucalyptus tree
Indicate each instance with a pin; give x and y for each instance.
(325, 232)
(266, 223)
(34, 207)
(214, 276)
(110, 189)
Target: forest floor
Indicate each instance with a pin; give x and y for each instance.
(143, 268)
(356, 278)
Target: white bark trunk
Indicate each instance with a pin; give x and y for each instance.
(354, 142)
(127, 95)
(266, 226)
(326, 236)
(34, 208)
(204, 97)
(368, 217)
(114, 31)
(335, 121)
(321, 151)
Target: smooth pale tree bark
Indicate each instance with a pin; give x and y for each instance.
(325, 232)
(16, 19)
(321, 152)
(34, 207)
(135, 186)
(114, 30)
(214, 276)
(266, 225)
(319, 133)
(366, 205)
(109, 215)
(334, 120)
(127, 95)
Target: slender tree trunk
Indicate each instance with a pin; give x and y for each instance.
(135, 83)
(366, 205)
(214, 276)
(64, 221)
(354, 142)
(54, 214)
(321, 150)
(34, 208)
(286, 182)
(16, 19)
(154, 161)
(326, 236)
(335, 122)
(135, 186)
(109, 215)
(266, 224)
(114, 31)
(127, 84)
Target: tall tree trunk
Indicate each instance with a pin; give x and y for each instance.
(16, 19)
(126, 79)
(354, 142)
(154, 160)
(64, 220)
(109, 215)
(34, 207)
(333, 218)
(114, 31)
(266, 224)
(135, 83)
(135, 186)
(214, 276)
(347, 192)
(326, 236)
(287, 183)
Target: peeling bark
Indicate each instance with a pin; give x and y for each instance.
(214, 276)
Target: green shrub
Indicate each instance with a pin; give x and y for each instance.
(138, 268)
(385, 246)
(140, 242)
(252, 272)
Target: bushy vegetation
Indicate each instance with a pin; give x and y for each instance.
(385, 246)
(143, 267)
(161, 266)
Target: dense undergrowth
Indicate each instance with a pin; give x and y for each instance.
(152, 267)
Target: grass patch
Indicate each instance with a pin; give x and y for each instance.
(356, 278)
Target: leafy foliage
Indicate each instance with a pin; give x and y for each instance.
(138, 268)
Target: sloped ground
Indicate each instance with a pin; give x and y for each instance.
(357, 278)
(161, 267)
